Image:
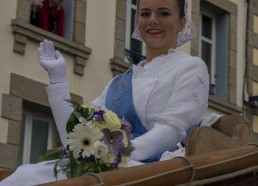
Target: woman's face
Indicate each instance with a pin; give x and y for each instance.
(159, 23)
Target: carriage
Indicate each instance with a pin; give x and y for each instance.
(219, 155)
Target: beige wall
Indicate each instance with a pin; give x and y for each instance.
(8, 12)
(100, 37)
(256, 24)
(100, 21)
(100, 27)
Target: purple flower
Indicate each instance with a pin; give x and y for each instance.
(117, 161)
(127, 127)
(113, 139)
(98, 116)
(87, 159)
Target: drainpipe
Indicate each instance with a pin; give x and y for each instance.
(245, 103)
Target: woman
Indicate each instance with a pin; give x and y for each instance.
(168, 91)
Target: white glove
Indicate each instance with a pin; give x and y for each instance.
(52, 61)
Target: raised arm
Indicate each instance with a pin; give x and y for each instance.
(58, 91)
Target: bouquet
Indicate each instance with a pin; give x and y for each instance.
(97, 141)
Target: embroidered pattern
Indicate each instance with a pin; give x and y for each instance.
(116, 103)
(197, 96)
(194, 120)
(204, 80)
(123, 85)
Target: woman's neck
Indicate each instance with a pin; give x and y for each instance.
(152, 53)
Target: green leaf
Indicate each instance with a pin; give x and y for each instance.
(51, 154)
(87, 113)
(90, 114)
(72, 121)
(55, 168)
(128, 150)
(74, 104)
(73, 164)
(78, 114)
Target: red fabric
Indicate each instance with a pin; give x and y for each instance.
(47, 16)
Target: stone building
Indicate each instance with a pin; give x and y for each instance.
(96, 36)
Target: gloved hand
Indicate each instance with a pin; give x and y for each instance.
(52, 61)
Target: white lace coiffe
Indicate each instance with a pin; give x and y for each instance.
(188, 33)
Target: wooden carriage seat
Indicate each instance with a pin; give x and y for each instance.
(230, 131)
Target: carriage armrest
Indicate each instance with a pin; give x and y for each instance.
(230, 131)
(228, 123)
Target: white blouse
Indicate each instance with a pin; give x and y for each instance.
(170, 95)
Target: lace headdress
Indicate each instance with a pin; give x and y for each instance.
(188, 33)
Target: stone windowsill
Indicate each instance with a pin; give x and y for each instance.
(24, 31)
(222, 106)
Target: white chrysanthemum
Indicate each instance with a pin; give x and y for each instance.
(100, 149)
(82, 140)
(109, 158)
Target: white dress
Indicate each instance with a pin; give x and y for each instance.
(170, 95)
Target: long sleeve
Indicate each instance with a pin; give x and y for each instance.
(177, 102)
(61, 109)
(157, 140)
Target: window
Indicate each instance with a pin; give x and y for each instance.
(75, 28)
(37, 135)
(208, 44)
(134, 47)
(68, 17)
(68, 7)
(214, 50)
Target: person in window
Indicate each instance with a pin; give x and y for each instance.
(168, 91)
(36, 5)
(48, 15)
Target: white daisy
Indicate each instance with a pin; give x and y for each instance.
(82, 140)
(100, 149)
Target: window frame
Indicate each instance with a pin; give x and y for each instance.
(27, 135)
(129, 7)
(30, 95)
(212, 42)
(24, 31)
(219, 58)
(128, 23)
(218, 76)
(231, 9)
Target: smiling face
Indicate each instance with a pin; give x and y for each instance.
(159, 22)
